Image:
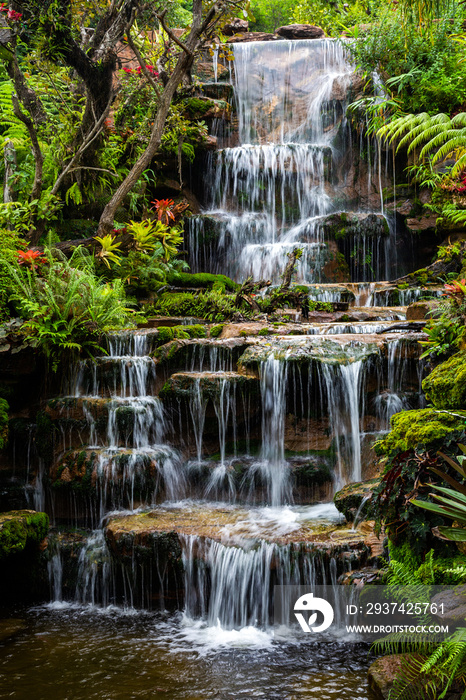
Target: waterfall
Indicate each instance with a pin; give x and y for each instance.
(273, 467)
(271, 192)
(233, 587)
(343, 385)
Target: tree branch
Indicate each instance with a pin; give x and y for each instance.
(140, 60)
(161, 17)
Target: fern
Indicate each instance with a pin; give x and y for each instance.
(429, 668)
(438, 136)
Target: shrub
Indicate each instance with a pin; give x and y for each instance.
(65, 306)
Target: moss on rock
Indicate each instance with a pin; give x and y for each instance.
(446, 384)
(412, 428)
(203, 280)
(19, 528)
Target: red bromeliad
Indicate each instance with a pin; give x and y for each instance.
(31, 258)
(163, 208)
(456, 290)
(11, 15)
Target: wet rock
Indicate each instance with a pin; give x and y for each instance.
(420, 427)
(423, 223)
(253, 36)
(173, 355)
(243, 330)
(420, 310)
(234, 26)
(382, 673)
(206, 73)
(20, 529)
(349, 499)
(207, 108)
(228, 525)
(300, 31)
(209, 384)
(361, 577)
(343, 349)
(219, 90)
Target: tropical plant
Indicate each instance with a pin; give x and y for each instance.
(429, 667)
(164, 207)
(445, 335)
(170, 239)
(144, 235)
(109, 250)
(438, 137)
(451, 503)
(211, 305)
(31, 258)
(65, 306)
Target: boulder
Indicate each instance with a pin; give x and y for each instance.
(300, 31)
(21, 528)
(236, 25)
(445, 386)
(423, 223)
(454, 604)
(382, 673)
(206, 73)
(349, 499)
(420, 310)
(209, 384)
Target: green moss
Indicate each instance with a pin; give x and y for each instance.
(202, 280)
(413, 428)
(169, 333)
(215, 331)
(446, 384)
(211, 305)
(20, 528)
(4, 407)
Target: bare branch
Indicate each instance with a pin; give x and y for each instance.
(172, 35)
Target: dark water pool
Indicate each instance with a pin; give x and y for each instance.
(82, 653)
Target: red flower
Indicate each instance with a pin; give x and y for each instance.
(30, 258)
(14, 16)
(164, 210)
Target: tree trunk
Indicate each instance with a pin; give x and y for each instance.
(10, 160)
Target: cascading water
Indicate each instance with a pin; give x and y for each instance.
(276, 423)
(271, 193)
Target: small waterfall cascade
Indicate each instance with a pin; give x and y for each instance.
(113, 414)
(290, 181)
(205, 474)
